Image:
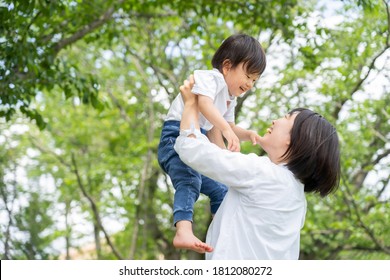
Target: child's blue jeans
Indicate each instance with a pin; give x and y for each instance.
(187, 182)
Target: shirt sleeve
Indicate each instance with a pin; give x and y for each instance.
(229, 115)
(230, 168)
(205, 84)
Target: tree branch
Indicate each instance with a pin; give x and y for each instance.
(370, 67)
(94, 208)
(359, 178)
(159, 72)
(369, 232)
(9, 210)
(385, 185)
(145, 174)
(86, 29)
(386, 2)
(340, 105)
(74, 169)
(122, 110)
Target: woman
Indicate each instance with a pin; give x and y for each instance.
(264, 210)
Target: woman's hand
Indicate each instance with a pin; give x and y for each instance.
(190, 116)
(188, 97)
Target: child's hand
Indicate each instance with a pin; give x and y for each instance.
(233, 141)
(254, 137)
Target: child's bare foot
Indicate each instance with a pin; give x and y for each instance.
(185, 239)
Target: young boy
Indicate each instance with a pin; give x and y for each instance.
(238, 63)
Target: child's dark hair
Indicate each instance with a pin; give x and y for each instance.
(314, 153)
(241, 48)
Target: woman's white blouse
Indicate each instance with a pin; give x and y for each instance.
(262, 213)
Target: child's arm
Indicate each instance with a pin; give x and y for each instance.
(211, 113)
(245, 135)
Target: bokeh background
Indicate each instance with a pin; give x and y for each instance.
(85, 86)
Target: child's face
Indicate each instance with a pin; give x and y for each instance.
(237, 79)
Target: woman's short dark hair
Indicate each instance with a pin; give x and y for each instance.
(314, 154)
(241, 48)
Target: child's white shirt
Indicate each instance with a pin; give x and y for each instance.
(210, 83)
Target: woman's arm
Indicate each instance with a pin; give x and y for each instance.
(190, 116)
(231, 168)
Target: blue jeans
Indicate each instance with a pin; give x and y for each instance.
(187, 182)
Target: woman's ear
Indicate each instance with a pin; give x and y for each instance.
(226, 66)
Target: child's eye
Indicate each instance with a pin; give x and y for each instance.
(249, 77)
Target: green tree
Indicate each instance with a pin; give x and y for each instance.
(126, 59)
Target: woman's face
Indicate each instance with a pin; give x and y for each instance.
(277, 139)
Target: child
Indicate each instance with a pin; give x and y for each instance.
(237, 63)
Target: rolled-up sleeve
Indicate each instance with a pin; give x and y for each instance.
(205, 84)
(233, 169)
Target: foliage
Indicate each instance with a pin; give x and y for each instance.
(95, 78)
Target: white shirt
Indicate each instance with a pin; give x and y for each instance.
(210, 83)
(263, 211)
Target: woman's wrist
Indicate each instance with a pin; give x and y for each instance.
(191, 103)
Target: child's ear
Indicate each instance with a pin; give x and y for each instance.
(226, 66)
